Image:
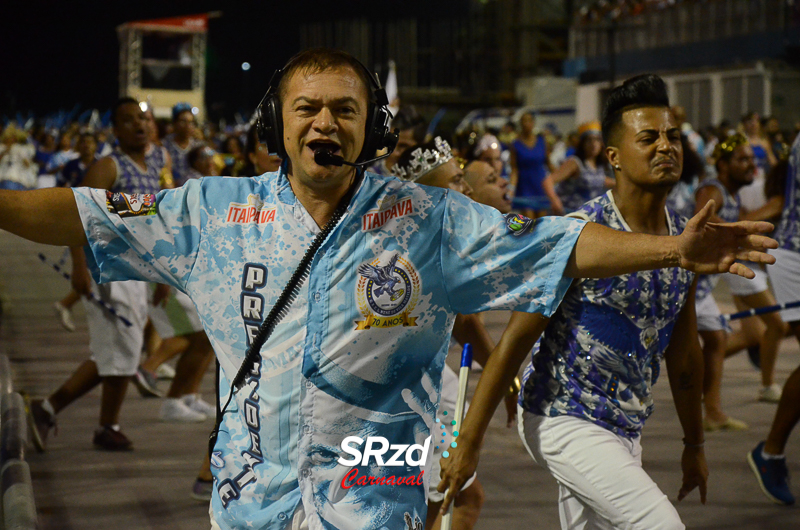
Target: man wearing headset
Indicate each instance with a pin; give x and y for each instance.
(359, 350)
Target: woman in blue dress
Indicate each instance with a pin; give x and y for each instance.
(530, 168)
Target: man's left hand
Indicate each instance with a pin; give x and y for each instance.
(712, 248)
(695, 472)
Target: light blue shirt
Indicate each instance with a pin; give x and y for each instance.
(362, 348)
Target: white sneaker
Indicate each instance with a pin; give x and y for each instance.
(175, 410)
(770, 394)
(195, 402)
(165, 371)
(64, 316)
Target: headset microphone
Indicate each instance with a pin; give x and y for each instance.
(324, 157)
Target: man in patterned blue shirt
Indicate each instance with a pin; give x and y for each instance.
(588, 391)
(356, 360)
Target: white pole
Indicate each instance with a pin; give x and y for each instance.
(463, 379)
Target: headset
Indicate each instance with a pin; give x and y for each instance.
(269, 122)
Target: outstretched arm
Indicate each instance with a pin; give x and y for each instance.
(704, 247)
(685, 368)
(48, 216)
(522, 332)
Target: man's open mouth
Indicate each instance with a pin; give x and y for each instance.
(327, 145)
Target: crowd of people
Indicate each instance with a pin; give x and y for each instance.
(595, 11)
(619, 172)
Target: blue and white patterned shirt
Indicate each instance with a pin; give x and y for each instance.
(788, 231)
(359, 352)
(583, 187)
(681, 197)
(600, 354)
(131, 178)
(180, 157)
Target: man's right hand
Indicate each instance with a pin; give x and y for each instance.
(81, 280)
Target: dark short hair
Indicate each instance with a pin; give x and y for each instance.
(408, 118)
(121, 102)
(647, 90)
(316, 60)
(196, 154)
(87, 134)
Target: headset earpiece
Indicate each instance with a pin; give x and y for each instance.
(269, 121)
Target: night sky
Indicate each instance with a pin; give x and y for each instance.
(56, 54)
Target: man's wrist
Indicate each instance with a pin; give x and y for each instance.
(694, 444)
(467, 440)
(672, 252)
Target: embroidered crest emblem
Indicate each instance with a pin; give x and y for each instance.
(131, 205)
(517, 224)
(387, 294)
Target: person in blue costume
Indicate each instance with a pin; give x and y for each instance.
(530, 167)
(588, 390)
(360, 350)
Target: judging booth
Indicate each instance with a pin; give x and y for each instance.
(163, 62)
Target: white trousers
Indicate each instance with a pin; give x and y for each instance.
(115, 347)
(600, 478)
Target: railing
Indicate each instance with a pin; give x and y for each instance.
(17, 510)
(683, 23)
